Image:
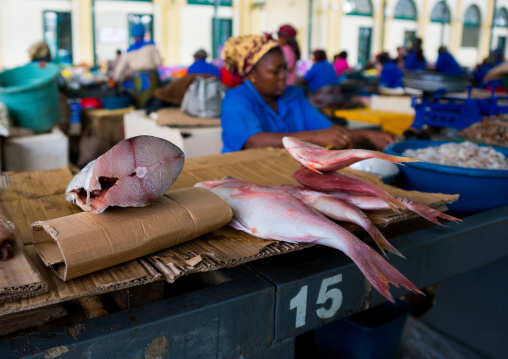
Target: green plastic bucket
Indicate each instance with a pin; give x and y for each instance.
(31, 96)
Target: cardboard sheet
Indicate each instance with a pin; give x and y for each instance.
(18, 277)
(174, 117)
(83, 243)
(220, 248)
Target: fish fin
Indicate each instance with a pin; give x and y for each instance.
(239, 225)
(312, 168)
(377, 270)
(382, 242)
(426, 212)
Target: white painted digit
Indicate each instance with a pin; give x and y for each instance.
(334, 294)
(299, 302)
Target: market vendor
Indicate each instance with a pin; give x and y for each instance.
(264, 109)
(201, 66)
(322, 82)
(391, 74)
(447, 64)
(496, 73)
(137, 68)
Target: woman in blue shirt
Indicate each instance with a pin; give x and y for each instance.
(416, 60)
(264, 109)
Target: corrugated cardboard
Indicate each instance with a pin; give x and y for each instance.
(18, 277)
(220, 248)
(174, 117)
(83, 243)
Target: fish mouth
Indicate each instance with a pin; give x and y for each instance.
(106, 183)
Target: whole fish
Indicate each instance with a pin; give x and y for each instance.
(317, 158)
(7, 235)
(334, 181)
(340, 210)
(134, 172)
(270, 213)
(375, 203)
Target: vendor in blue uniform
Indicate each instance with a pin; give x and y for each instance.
(201, 66)
(446, 63)
(415, 60)
(391, 74)
(264, 109)
(322, 82)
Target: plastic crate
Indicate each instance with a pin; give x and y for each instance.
(458, 113)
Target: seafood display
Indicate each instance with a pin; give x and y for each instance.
(334, 181)
(464, 154)
(491, 131)
(319, 159)
(134, 172)
(7, 235)
(340, 210)
(270, 213)
(371, 203)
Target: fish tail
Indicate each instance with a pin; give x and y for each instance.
(391, 201)
(427, 212)
(381, 241)
(378, 271)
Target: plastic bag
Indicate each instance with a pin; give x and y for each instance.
(204, 97)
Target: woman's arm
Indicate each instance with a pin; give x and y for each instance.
(336, 137)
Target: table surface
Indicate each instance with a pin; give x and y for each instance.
(258, 309)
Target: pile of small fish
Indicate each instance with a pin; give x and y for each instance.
(465, 154)
(272, 212)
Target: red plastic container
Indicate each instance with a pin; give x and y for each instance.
(91, 102)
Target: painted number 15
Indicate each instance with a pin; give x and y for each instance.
(299, 302)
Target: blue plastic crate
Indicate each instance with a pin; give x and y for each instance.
(457, 113)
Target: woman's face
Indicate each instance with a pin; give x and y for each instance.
(269, 76)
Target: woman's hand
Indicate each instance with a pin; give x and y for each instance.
(377, 139)
(336, 137)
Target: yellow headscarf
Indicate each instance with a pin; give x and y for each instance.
(241, 53)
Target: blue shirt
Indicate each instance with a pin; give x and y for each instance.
(412, 62)
(391, 75)
(202, 67)
(245, 113)
(320, 74)
(447, 64)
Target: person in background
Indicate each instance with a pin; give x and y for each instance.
(390, 74)
(401, 57)
(340, 64)
(264, 109)
(137, 68)
(200, 66)
(322, 82)
(446, 63)
(416, 60)
(113, 63)
(39, 52)
(287, 40)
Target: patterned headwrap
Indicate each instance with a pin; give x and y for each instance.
(241, 53)
(39, 51)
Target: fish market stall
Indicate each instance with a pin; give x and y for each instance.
(231, 294)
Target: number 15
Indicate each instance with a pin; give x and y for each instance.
(299, 302)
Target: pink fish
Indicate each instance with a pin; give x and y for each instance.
(317, 158)
(340, 210)
(134, 172)
(334, 181)
(375, 203)
(272, 214)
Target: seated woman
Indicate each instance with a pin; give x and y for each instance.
(322, 82)
(264, 109)
(391, 75)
